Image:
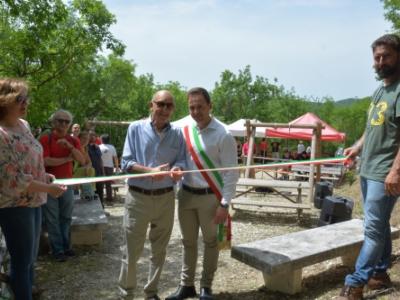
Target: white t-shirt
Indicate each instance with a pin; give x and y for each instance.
(107, 153)
(301, 148)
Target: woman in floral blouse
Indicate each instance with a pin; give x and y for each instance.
(23, 186)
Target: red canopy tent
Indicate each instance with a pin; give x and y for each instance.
(328, 133)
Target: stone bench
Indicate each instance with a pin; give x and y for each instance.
(282, 258)
(88, 222)
(115, 188)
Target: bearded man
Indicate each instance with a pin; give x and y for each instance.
(379, 172)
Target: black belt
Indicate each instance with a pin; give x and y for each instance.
(197, 191)
(154, 192)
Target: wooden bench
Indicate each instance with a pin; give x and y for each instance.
(273, 183)
(282, 258)
(277, 187)
(333, 173)
(88, 222)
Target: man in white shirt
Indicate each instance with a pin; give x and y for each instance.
(75, 130)
(110, 161)
(300, 147)
(205, 196)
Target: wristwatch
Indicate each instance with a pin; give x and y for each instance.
(224, 205)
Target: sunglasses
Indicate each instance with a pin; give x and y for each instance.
(162, 104)
(22, 99)
(63, 121)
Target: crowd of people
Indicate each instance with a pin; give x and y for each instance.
(264, 151)
(29, 163)
(29, 166)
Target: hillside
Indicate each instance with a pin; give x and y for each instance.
(346, 102)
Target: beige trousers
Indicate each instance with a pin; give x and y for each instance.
(140, 212)
(197, 212)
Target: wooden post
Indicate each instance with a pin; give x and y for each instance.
(311, 177)
(113, 123)
(318, 132)
(249, 161)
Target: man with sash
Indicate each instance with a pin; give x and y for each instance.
(379, 172)
(205, 196)
(151, 145)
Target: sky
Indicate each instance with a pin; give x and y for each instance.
(318, 48)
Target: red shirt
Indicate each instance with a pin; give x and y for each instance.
(263, 146)
(245, 148)
(53, 149)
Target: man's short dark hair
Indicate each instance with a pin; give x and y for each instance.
(391, 40)
(200, 91)
(105, 138)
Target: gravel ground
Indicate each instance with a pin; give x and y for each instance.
(93, 273)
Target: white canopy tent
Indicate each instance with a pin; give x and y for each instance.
(188, 120)
(238, 128)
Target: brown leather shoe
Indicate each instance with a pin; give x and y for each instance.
(379, 281)
(351, 293)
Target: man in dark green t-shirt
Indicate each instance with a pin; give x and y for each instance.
(379, 173)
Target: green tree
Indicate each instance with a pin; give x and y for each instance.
(351, 119)
(239, 96)
(392, 12)
(43, 40)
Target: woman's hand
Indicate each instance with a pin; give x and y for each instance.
(56, 190)
(50, 178)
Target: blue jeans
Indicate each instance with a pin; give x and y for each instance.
(21, 227)
(375, 253)
(38, 230)
(57, 213)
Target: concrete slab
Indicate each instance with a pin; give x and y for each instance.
(284, 256)
(88, 222)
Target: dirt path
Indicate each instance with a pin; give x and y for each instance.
(92, 275)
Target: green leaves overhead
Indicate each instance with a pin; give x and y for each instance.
(392, 12)
(41, 39)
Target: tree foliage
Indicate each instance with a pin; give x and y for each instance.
(392, 12)
(59, 46)
(48, 41)
(241, 96)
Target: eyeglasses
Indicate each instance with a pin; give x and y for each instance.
(63, 121)
(162, 104)
(22, 99)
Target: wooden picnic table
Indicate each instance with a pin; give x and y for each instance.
(277, 187)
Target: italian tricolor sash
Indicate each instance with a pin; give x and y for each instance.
(196, 149)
